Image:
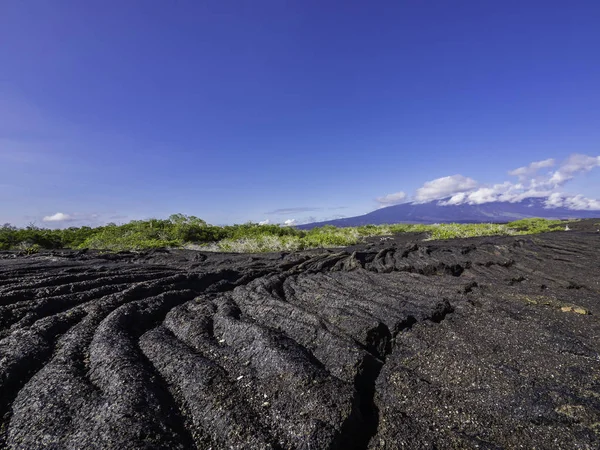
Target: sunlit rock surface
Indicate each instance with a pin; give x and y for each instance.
(481, 343)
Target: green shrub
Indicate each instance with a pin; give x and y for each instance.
(330, 236)
(180, 230)
(536, 225)
(259, 244)
(32, 249)
(455, 230)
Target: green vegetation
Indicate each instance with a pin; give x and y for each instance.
(191, 232)
(535, 225)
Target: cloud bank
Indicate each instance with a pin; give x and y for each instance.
(534, 180)
(444, 187)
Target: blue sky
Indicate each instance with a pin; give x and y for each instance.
(292, 110)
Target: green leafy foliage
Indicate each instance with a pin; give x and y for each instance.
(330, 236)
(189, 231)
(455, 230)
(258, 244)
(536, 225)
(18, 238)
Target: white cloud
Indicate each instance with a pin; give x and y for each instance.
(290, 222)
(555, 200)
(577, 202)
(391, 199)
(58, 217)
(573, 165)
(458, 189)
(504, 192)
(581, 202)
(483, 195)
(264, 222)
(456, 199)
(444, 187)
(532, 168)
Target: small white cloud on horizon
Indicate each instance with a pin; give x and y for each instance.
(60, 220)
(290, 223)
(391, 199)
(58, 217)
(264, 222)
(444, 187)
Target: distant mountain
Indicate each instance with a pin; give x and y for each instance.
(433, 212)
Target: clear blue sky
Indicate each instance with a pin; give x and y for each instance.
(241, 110)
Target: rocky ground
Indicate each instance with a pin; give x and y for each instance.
(399, 343)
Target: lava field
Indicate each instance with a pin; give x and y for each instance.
(486, 343)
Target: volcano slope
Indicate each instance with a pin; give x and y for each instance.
(399, 343)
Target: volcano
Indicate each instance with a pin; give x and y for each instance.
(438, 212)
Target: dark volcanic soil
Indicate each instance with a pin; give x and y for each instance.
(480, 343)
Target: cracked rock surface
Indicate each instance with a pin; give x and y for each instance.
(399, 343)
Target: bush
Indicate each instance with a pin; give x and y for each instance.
(330, 236)
(259, 244)
(180, 230)
(128, 238)
(455, 230)
(536, 225)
